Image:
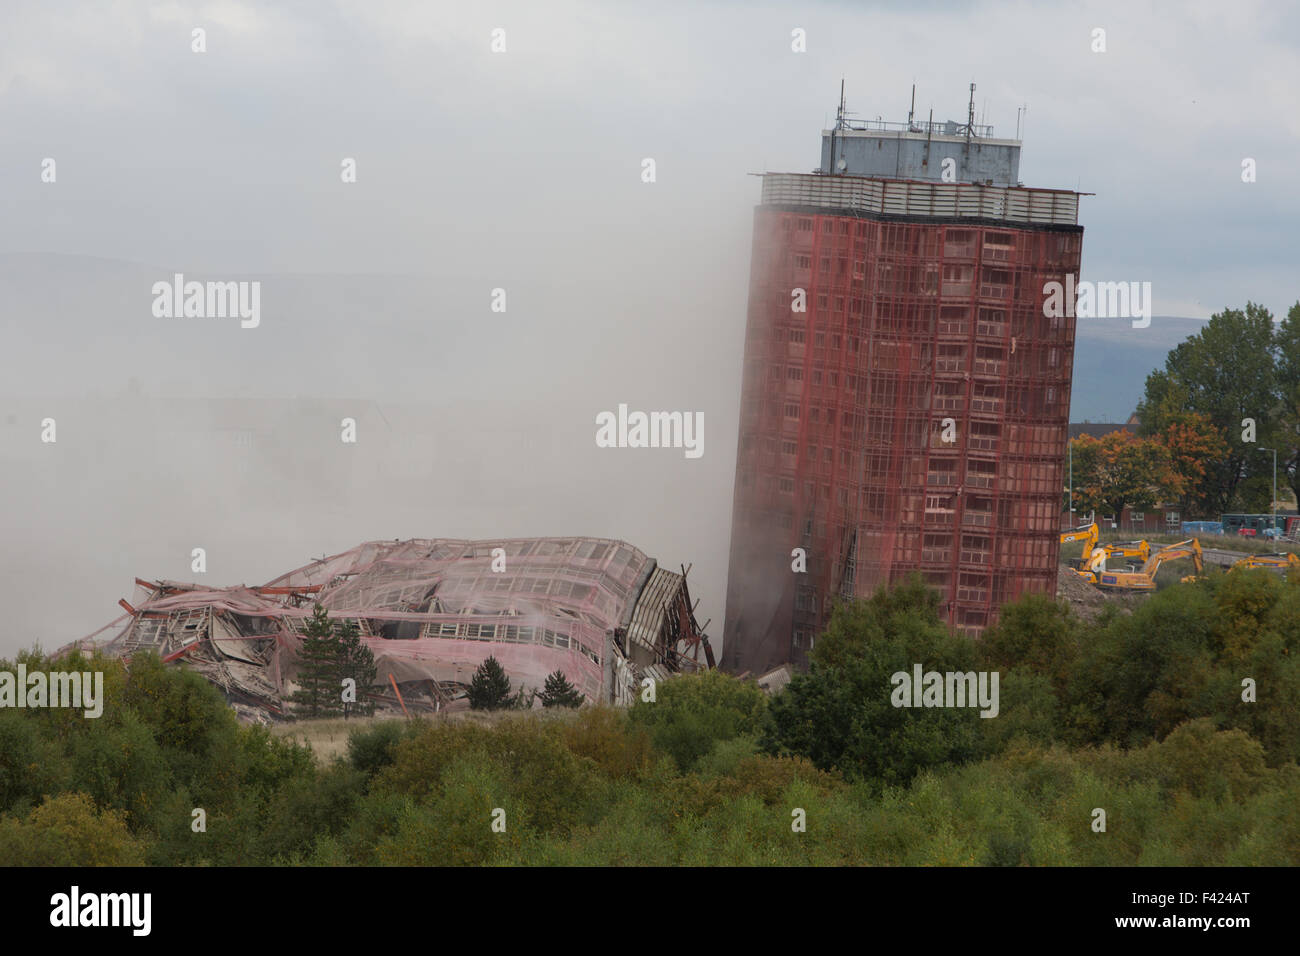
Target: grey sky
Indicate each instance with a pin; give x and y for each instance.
(522, 170)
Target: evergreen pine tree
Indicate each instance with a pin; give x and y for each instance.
(558, 692)
(357, 662)
(490, 688)
(318, 693)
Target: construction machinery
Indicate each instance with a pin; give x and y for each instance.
(1134, 550)
(1096, 556)
(1088, 535)
(1144, 579)
(1278, 560)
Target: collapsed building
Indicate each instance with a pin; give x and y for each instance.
(431, 611)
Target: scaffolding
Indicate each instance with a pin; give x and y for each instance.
(432, 610)
(912, 418)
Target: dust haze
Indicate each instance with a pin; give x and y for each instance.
(522, 171)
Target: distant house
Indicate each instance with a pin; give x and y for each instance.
(1100, 429)
(1158, 519)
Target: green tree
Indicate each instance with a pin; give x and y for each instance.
(693, 712)
(320, 658)
(490, 688)
(558, 692)
(840, 715)
(1287, 434)
(1225, 372)
(357, 663)
(68, 830)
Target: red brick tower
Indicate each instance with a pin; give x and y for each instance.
(905, 400)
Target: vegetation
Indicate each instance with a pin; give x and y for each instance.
(558, 692)
(1239, 366)
(1121, 469)
(1139, 714)
(332, 654)
(490, 687)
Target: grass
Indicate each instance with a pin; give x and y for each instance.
(328, 736)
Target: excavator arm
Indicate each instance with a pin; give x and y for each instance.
(1191, 548)
(1087, 534)
(1145, 580)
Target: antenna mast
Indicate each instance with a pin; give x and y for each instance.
(970, 114)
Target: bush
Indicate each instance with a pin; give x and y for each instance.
(372, 749)
(67, 830)
(607, 737)
(840, 715)
(692, 712)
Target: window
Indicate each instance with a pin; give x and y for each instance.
(794, 373)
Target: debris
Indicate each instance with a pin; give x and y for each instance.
(432, 610)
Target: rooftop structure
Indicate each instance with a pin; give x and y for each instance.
(923, 151)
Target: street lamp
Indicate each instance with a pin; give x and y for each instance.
(1070, 446)
(1273, 520)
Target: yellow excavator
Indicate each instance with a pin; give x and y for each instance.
(1137, 550)
(1280, 560)
(1094, 553)
(1144, 579)
(1088, 535)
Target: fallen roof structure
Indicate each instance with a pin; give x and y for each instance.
(431, 611)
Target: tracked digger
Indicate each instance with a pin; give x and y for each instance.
(1088, 535)
(1280, 560)
(1145, 578)
(1097, 555)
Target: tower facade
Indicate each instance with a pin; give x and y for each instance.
(905, 399)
